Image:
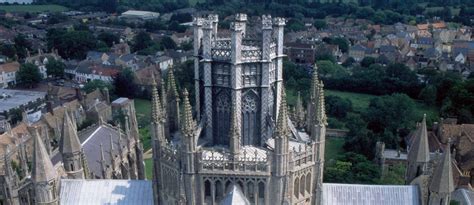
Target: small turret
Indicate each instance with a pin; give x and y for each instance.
(173, 102)
(71, 150)
(442, 182)
(44, 175)
(418, 153)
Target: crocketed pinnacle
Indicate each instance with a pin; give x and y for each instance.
(419, 151)
(188, 122)
(156, 106)
(321, 110)
(43, 170)
(70, 141)
(299, 111)
(172, 90)
(314, 83)
(442, 181)
(282, 123)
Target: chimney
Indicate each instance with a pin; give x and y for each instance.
(49, 107)
(79, 94)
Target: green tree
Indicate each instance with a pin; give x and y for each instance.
(96, 84)
(22, 45)
(330, 69)
(142, 41)
(55, 68)
(108, 38)
(367, 61)
(124, 84)
(337, 106)
(320, 24)
(168, 43)
(71, 44)
(352, 168)
(8, 50)
(390, 113)
(28, 75)
(428, 95)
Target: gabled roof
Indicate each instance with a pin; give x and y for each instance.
(442, 181)
(358, 194)
(110, 191)
(419, 151)
(43, 170)
(235, 197)
(9, 67)
(69, 142)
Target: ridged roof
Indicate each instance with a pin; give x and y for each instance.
(419, 151)
(442, 181)
(235, 197)
(70, 141)
(43, 170)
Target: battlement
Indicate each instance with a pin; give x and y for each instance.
(250, 160)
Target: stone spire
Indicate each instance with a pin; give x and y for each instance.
(282, 122)
(70, 141)
(419, 153)
(71, 149)
(321, 117)
(156, 105)
(299, 111)
(313, 101)
(188, 122)
(442, 182)
(43, 170)
(172, 90)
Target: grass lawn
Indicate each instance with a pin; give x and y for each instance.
(33, 8)
(333, 148)
(143, 110)
(149, 169)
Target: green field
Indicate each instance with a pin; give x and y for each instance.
(333, 148)
(360, 102)
(33, 8)
(143, 109)
(149, 168)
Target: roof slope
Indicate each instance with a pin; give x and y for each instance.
(43, 170)
(70, 142)
(235, 197)
(442, 181)
(357, 194)
(95, 192)
(420, 151)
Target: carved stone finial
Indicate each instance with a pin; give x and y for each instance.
(279, 21)
(198, 21)
(207, 24)
(267, 22)
(240, 17)
(213, 18)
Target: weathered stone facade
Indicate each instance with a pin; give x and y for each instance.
(240, 133)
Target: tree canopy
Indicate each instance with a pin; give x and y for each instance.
(28, 75)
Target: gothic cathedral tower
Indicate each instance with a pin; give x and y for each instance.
(239, 136)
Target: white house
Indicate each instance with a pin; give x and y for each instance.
(8, 74)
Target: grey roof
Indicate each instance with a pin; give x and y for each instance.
(235, 197)
(91, 139)
(419, 151)
(69, 141)
(91, 146)
(357, 194)
(95, 192)
(464, 196)
(442, 181)
(43, 170)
